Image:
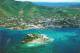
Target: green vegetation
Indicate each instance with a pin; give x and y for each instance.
(12, 8)
(30, 37)
(13, 13)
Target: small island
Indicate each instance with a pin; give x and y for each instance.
(36, 39)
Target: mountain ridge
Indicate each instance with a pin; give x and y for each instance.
(29, 9)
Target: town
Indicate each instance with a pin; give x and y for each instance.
(15, 22)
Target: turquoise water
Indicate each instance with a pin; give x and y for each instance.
(66, 40)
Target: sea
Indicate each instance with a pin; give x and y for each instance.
(66, 40)
(58, 4)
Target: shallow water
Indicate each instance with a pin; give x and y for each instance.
(66, 40)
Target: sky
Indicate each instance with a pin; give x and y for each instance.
(51, 0)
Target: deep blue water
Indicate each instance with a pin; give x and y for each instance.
(66, 40)
(58, 4)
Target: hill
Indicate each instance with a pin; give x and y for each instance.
(16, 8)
(12, 8)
